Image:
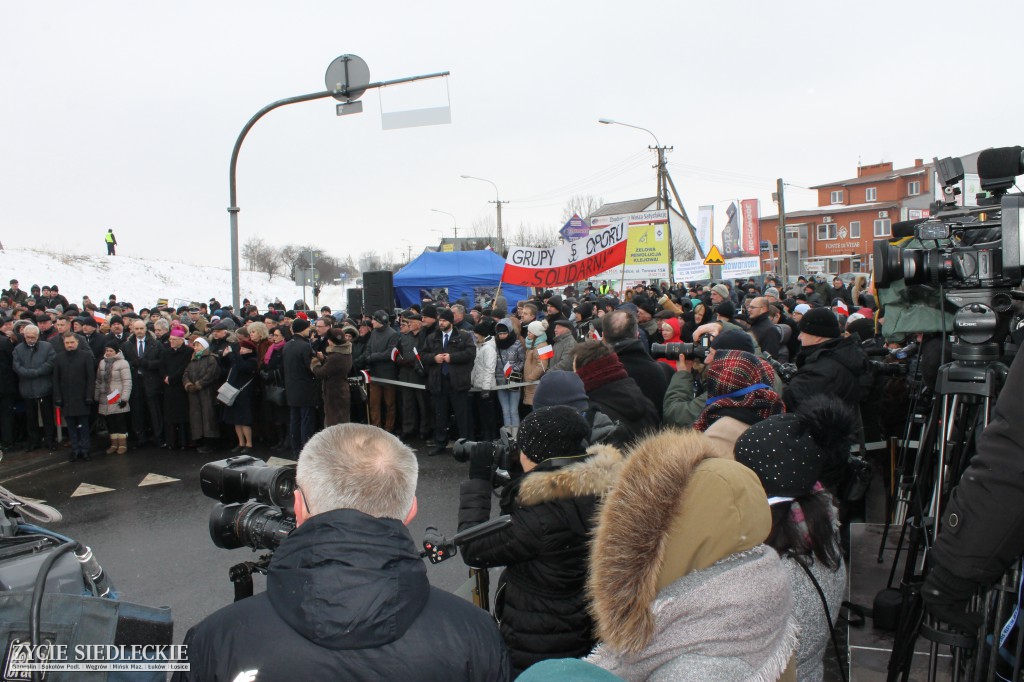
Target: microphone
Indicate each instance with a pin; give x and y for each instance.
(999, 167)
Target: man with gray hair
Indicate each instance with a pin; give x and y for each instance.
(347, 593)
(33, 363)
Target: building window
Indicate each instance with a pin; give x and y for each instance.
(913, 188)
(871, 194)
(883, 228)
(826, 232)
(837, 196)
(855, 266)
(855, 229)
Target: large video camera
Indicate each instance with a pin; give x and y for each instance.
(972, 255)
(688, 351)
(255, 506)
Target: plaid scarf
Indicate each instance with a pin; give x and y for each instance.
(601, 371)
(728, 379)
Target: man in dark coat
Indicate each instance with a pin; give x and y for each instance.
(299, 385)
(92, 337)
(74, 380)
(173, 363)
(982, 531)
(33, 363)
(417, 413)
(621, 334)
(382, 365)
(142, 352)
(8, 390)
(828, 363)
(761, 326)
(347, 593)
(448, 357)
(15, 293)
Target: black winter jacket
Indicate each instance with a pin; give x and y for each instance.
(647, 373)
(74, 377)
(298, 379)
(625, 403)
(378, 353)
(348, 599)
(541, 606)
(983, 524)
(834, 368)
(768, 337)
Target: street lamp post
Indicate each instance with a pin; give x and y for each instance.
(455, 228)
(345, 87)
(498, 202)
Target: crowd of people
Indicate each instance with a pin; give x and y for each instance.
(596, 411)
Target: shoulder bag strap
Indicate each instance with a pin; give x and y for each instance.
(828, 616)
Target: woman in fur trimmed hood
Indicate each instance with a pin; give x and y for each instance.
(681, 585)
(541, 603)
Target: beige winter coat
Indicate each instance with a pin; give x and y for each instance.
(120, 380)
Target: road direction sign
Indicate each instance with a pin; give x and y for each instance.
(576, 228)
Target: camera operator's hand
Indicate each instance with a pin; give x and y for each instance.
(481, 464)
(685, 365)
(945, 597)
(711, 328)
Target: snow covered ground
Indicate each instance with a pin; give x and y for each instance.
(144, 281)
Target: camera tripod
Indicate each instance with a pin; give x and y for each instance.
(964, 395)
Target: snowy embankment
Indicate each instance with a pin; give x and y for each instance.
(144, 281)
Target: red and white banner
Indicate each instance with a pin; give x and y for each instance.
(750, 211)
(568, 263)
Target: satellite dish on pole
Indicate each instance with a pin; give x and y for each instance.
(347, 78)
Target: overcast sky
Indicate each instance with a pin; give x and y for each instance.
(123, 114)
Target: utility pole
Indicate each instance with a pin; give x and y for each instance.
(663, 198)
(501, 242)
(783, 251)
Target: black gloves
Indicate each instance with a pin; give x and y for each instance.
(481, 463)
(945, 597)
(122, 403)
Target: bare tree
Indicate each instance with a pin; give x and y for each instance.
(583, 205)
(261, 257)
(251, 250)
(526, 235)
(371, 260)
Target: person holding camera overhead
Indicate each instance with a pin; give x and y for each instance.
(347, 593)
(541, 605)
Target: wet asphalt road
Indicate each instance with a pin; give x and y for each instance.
(154, 540)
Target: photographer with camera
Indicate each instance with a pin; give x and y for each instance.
(541, 607)
(347, 592)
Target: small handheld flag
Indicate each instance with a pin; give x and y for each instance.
(396, 355)
(113, 397)
(546, 352)
(508, 369)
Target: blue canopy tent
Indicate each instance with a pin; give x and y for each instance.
(469, 275)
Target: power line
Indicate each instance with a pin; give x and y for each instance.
(623, 166)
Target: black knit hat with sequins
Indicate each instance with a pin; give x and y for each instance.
(790, 452)
(555, 431)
